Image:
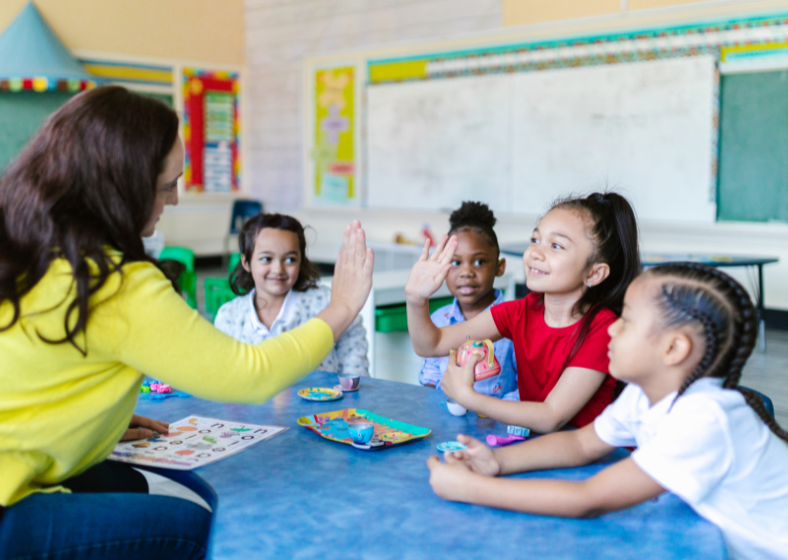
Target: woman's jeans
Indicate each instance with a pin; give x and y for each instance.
(108, 516)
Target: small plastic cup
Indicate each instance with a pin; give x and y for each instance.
(349, 381)
(454, 408)
(361, 432)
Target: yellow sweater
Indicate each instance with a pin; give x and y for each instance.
(62, 412)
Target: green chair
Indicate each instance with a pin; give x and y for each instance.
(217, 293)
(232, 261)
(188, 278)
(217, 289)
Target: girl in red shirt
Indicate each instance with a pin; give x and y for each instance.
(583, 255)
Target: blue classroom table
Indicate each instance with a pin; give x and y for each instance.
(301, 496)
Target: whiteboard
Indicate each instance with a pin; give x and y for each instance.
(433, 144)
(518, 141)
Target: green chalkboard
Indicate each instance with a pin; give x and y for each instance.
(753, 168)
(21, 113)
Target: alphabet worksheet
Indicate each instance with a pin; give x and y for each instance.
(193, 442)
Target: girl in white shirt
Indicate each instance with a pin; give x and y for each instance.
(684, 336)
(279, 290)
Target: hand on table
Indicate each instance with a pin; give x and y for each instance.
(141, 427)
(449, 480)
(428, 274)
(458, 381)
(477, 456)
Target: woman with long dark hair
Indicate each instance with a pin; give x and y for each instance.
(83, 310)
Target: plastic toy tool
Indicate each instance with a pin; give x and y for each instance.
(516, 433)
(488, 366)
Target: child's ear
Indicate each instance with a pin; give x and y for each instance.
(245, 264)
(678, 349)
(599, 272)
(501, 267)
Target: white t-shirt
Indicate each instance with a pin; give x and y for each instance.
(238, 318)
(713, 451)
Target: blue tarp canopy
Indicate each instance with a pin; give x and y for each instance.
(30, 50)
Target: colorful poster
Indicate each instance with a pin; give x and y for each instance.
(211, 131)
(334, 151)
(193, 442)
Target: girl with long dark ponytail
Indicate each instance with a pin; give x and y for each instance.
(684, 336)
(583, 255)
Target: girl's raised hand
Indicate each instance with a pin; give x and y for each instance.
(428, 274)
(476, 456)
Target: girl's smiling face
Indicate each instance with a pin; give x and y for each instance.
(276, 262)
(557, 260)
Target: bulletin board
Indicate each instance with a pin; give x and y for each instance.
(211, 131)
(334, 152)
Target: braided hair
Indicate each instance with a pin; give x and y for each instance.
(699, 294)
(476, 217)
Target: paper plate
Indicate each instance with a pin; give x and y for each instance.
(320, 394)
(388, 432)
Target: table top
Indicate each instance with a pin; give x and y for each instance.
(301, 496)
(654, 259)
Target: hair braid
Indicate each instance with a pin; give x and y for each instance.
(710, 353)
(699, 293)
(756, 403)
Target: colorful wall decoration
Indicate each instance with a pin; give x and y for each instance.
(130, 73)
(724, 40)
(334, 149)
(45, 84)
(211, 131)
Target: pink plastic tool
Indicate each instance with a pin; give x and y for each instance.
(488, 366)
(498, 440)
(516, 433)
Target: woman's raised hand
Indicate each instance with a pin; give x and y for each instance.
(428, 274)
(352, 281)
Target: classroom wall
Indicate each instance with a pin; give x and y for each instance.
(203, 30)
(527, 12)
(279, 33)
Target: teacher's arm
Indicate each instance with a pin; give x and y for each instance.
(156, 333)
